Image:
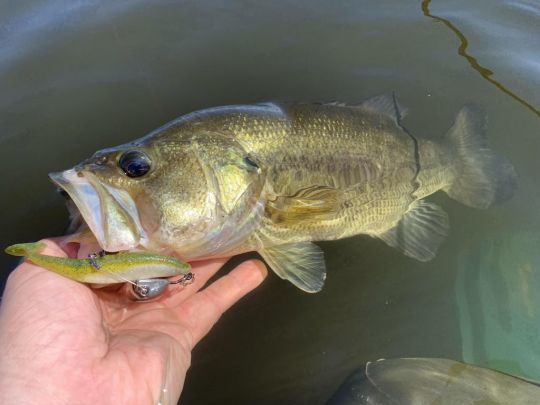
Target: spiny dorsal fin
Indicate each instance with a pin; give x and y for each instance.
(308, 203)
(336, 103)
(300, 263)
(386, 104)
(420, 232)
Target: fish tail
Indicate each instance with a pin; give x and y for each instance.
(482, 177)
(24, 249)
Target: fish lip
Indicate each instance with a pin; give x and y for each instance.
(95, 201)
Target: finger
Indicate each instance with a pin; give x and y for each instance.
(29, 280)
(200, 312)
(202, 271)
(52, 247)
(26, 270)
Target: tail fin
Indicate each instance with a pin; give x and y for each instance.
(482, 177)
(24, 249)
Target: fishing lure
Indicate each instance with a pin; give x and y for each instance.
(147, 272)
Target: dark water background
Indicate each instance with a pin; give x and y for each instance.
(77, 76)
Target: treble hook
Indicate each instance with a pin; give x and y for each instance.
(186, 279)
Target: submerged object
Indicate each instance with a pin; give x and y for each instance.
(104, 269)
(419, 381)
(272, 178)
(496, 291)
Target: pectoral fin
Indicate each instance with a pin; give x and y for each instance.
(300, 263)
(420, 232)
(312, 203)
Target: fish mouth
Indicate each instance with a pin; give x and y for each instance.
(109, 212)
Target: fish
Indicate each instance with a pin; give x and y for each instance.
(415, 381)
(103, 269)
(275, 177)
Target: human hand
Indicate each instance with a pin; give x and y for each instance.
(65, 343)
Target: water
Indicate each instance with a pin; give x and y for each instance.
(76, 76)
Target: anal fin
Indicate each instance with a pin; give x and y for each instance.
(300, 263)
(420, 232)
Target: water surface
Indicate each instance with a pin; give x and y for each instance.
(77, 76)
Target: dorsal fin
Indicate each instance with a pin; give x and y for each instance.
(337, 103)
(386, 104)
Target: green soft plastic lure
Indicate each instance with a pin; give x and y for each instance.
(104, 269)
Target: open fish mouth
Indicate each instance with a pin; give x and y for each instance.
(110, 213)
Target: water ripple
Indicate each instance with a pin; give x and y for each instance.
(484, 72)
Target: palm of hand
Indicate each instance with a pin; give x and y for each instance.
(91, 346)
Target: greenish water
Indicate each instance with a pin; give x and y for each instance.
(79, 76)
(497, 295)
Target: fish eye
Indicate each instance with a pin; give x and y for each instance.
(134, 163)
(249, 162)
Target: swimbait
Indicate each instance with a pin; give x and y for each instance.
(103, 269)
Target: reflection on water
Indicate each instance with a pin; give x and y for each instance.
(78, 76)
(416, 381)
(462, 50)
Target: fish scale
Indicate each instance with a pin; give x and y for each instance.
(348, 137)
(274, 177)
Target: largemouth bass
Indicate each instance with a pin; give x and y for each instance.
(104, 269)
(272, 178)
